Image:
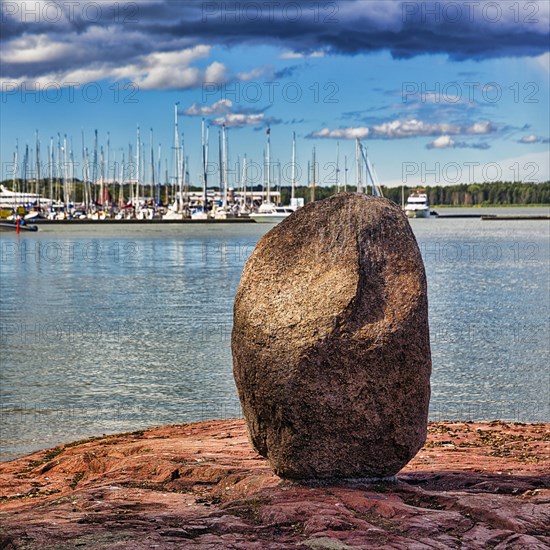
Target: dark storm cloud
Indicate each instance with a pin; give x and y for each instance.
(121, 33)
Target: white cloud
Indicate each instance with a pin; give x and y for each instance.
(412, 128)
(160, 70)
(34, 49)
(240, 120)
(481, 128)
(401, 129)
(215, 73)
(230, 120)
(442, 142)
(532, 138)
(341, 133)
(177, 58)
(251, 75)
(218, 108)
(160, 78)
(529, 139)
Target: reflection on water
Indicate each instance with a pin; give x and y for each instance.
(105, 333)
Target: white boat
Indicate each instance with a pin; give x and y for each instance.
(417, 206)
(267, 211)
(12, 199)
(224, 213)
(270, 213)
(173, 215)
(199, 214)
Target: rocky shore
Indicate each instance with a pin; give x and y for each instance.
(473, 485)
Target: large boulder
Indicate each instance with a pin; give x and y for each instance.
(331, 349)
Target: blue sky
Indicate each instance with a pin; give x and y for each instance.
(436, 93)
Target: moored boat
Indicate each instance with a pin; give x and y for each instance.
(417, 206)
(10, 226)
(270, 213)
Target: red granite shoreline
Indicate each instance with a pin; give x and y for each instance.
(473, 485)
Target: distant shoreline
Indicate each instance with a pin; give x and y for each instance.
(479, 206)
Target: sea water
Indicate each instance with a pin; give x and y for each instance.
(109, 328)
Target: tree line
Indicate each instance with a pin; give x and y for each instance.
(475, 194)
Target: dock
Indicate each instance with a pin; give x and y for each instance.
(506, 218)
(141, 222)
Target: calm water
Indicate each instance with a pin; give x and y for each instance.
(109, 329)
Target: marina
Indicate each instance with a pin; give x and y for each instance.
(136, 190)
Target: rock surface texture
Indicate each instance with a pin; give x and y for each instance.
(331, 350)
(201, 486)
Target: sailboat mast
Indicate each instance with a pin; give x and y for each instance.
(16, 166)
(376, 182)
(293, 175)
(279, 179)
(152, 167)
(108, 160)
(313, 182)
(116, 177)
(203, 154)
(345, 173)
(237, 173)
(115, 170)
(101, 180)
(177, 151)
(220, 162)
(159, 173)
(166, 181)
(121, 182)
(205, 139)
(95, 165)
(268, 166)
(244, 180)
(130, 175)
(224, 141)
(186, 180)
(72, 188)
(106, 170)
(65, 191)
(84, 173)
(38, 166)
(85, 178)
(358, 161)
(25, 161)
(183, 169)
(138, 163)
(338, 167)
(51, 168)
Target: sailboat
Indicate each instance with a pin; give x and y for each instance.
(202, 213)
(267, 211)
(224, 212)
(175, 210)
(244, 211)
